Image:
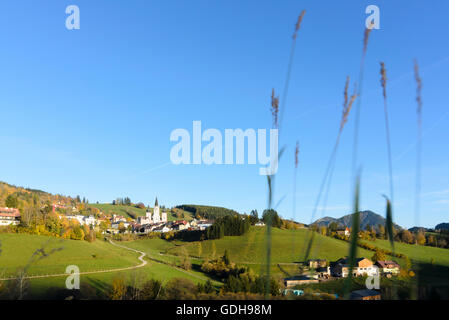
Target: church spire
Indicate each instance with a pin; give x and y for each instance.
(156, 204)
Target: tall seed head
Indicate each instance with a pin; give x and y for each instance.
(347, 104)
(274, 108)
(383, 80)
(418, 88)
(296, 154)
(298, 23)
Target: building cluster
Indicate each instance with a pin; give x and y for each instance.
(90, 221)
(322, 270)
(155, 221)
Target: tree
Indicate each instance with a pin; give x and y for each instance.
(271, 216)
(185, 260)
(118, 291)
(208, 287)
(407, 237)
(254, 217)
(11, 201)
(379, 255)
(381, 232)
(421, 239)
(431, 241)
(442, 243)
(151, 290)
(333, 227)
(323, 230)
(180, 289)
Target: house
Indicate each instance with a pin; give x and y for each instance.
(204, 224)
(388, 268)
(344, 232)
(82, 220)
(162, 229)
(363, 266)
(317, 263)
(365, 295)
(323, 272)
(9, 216)
(295, 281)
(260, 224)
(117, 218)
(180, 225)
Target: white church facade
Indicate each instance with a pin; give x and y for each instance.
(154, 218)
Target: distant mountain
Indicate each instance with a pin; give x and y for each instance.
(366, 218)
(442, 226)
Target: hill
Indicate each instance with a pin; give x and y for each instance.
(207, 212)
(89, 257)
(288, 247)
(367, 218)
(442, 226)
(134, 212)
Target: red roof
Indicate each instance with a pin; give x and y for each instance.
(387, 264)
(9, 212)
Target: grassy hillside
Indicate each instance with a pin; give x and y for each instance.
(99, 255)
(421, 254)
(126, 211)
(288, 246)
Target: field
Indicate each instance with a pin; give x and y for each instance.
(288, 247)
(126, 211)
(99, 255)
(419, 254)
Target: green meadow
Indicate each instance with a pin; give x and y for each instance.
(288, 247)
(126, 211)
(419, 254)
(17, 250)
(99, 255)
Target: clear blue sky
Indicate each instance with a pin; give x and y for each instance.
(90, 111)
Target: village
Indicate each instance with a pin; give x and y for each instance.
(115, 224)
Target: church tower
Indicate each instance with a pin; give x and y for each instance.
(156, 215)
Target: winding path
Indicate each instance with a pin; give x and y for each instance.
(141, 258)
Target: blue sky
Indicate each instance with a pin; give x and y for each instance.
(90, 111)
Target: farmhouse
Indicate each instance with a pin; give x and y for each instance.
(180, 225)
(9, 216)
(317, 263)
(388, 267)
(344, 232)
(363, 266)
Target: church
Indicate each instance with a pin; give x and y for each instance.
(154, 218)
